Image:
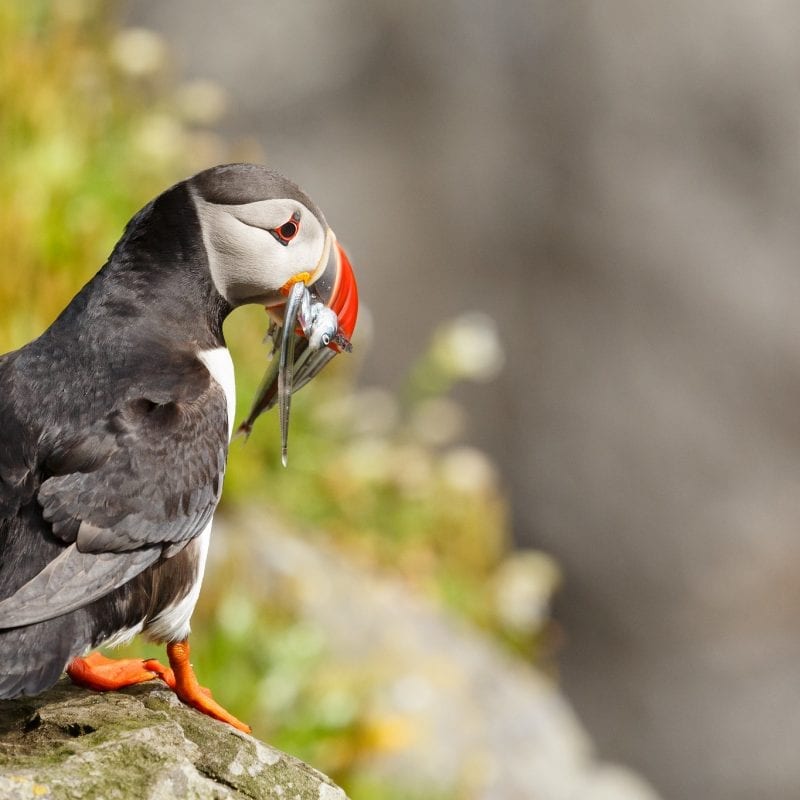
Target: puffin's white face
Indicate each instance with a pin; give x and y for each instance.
(255, 249)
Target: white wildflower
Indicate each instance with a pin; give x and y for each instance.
(523, 589)
(469, 347)
(138, 52)
(468, 470)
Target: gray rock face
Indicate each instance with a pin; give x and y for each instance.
(143, 743)
(475, 722)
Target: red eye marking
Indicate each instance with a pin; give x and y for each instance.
(288, 230)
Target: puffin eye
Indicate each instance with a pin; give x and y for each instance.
(288, 230)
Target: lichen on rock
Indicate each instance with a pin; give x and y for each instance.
(73, 744)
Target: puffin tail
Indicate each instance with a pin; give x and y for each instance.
(32, 657)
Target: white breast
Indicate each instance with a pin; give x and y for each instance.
(172, 624)
(219, 364)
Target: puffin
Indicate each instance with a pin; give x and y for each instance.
(115, 425)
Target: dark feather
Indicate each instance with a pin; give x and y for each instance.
(146, 474)
(113, 441)
(71, 581)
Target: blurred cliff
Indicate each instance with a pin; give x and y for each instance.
(617, 184)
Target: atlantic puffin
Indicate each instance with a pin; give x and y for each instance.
(115, 425)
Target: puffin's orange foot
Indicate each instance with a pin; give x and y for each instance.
(167, 675)
(189, 690)
(105, 674)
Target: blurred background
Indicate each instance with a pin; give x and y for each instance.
(573, 226)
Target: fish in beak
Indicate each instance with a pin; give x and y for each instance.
(314, 324)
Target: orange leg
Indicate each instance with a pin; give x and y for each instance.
(104, 674)
(189, 690)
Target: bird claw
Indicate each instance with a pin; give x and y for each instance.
(199, 698)
(160, 671)
(189, 690)
(102, 674)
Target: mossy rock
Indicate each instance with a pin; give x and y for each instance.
(73, 744)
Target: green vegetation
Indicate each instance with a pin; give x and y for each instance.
(92, 128)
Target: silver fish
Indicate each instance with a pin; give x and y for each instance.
(317, 321)
(300, 357)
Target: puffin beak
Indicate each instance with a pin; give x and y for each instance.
(315, 323)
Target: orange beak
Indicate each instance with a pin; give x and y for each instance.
(336, 288)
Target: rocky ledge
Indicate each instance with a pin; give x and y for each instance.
(73, 744)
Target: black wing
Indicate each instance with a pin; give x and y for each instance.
(17, 453)
(136, 485)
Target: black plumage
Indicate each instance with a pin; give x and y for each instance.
(113, 439)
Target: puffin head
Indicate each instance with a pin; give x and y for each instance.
(263, 235)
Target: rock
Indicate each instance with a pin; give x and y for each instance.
(454, 714)
(72, 744)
